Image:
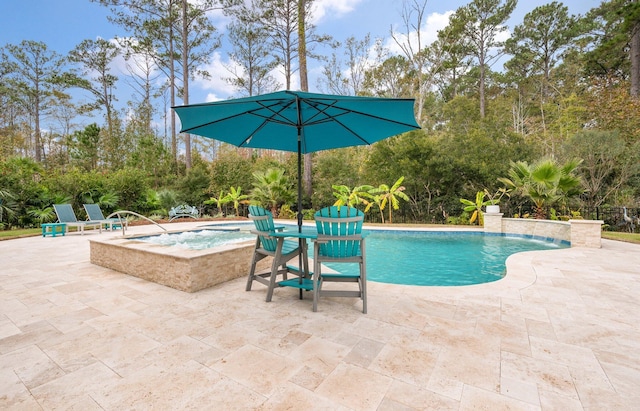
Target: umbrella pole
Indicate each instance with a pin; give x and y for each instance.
(302, 243)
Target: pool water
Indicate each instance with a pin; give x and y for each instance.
(437, 258)
(199, 239)
(440, 258)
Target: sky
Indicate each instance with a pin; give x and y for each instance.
(62, 24)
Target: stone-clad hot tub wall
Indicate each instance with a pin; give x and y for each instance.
(179, 268)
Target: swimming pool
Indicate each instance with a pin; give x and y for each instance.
(427, 258)
(441, 258)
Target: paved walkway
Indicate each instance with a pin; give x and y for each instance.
(560, 332)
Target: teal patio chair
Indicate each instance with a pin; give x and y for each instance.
(340, 240)
(94, 213)
(67, 216)
(280, 249)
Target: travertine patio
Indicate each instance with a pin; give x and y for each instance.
(560, 332)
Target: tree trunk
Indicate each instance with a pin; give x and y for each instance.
(481, 86)
(38, 132)
(185, 79)
(172, 86)
(304, 86)
(635, 61)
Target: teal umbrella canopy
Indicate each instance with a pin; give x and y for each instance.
(280, 120)
(299, 122)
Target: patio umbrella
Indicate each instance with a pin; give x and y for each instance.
(299, 122)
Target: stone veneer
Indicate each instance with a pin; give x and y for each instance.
(179, 268)
(580, 233)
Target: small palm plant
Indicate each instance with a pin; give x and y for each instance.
(352, 198)
(391, 196)
(236, 197)
(219, 201)
(544, 182)
(6, 205)
(476, 207)
(42, 215)
(271, 188)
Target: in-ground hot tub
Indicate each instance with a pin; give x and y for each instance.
(177, 267)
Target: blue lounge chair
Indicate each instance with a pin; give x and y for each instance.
(67, 216)
(94, 213)
(340, 240)
(281, 250)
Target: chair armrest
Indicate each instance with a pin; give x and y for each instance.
(323, 238)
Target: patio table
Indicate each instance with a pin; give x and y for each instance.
(304, 281)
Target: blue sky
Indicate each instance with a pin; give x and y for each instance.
(62, 24)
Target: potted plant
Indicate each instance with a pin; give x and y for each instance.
(493, 203)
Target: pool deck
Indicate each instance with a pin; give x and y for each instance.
(560, 332)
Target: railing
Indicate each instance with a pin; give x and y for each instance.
(117, 213)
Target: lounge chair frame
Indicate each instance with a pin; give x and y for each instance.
(94, 214)
(67, 216)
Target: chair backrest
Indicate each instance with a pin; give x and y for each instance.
(336, 222)
(94, 212)
(263, 220)
(65, 213)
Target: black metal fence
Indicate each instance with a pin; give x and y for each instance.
(615, 218)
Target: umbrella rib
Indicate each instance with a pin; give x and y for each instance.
(346, 111)
(335, 117)
(262, 106)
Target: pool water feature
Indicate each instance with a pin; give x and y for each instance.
(199, 239)
(442, 258)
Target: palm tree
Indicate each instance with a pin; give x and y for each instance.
(476, 207)
(353, 198)
(236, 198)
(544, 182)
(42, 215)
(6, 204)
(109, 200)
(271, 188)
(377, 200)
(221, 200)
(391, 196)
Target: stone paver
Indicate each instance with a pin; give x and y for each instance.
(560, 332)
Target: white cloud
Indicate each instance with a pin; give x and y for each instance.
(428, 32)
(333, 8)
(215, 87)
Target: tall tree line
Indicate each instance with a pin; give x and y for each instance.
(564, 75)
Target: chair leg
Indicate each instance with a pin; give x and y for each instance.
(305, 260)
(252, 270)
(363, 287)
(274, 269)
(316, 276)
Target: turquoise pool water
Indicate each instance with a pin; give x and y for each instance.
(440, 258)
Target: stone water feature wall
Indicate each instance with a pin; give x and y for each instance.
(580, 233)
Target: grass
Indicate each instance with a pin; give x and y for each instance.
(23, 232)
(620, 236)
